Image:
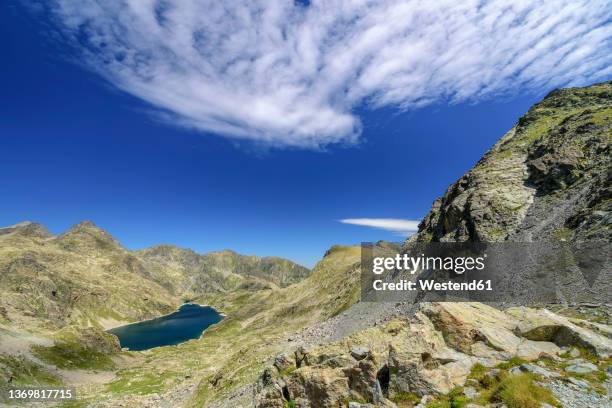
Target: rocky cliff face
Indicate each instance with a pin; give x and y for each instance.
(548, 177)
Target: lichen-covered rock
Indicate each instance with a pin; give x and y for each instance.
(427, 374)
(544, 325)
(363, 380)
(269, 390)
(284, 362)
(547, 178)
(312, 387)
(466, 326)
(359, 353)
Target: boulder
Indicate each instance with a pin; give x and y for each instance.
(269, 390)
(534, 369)
(359, 353)
(362, 379)
(544, 325)
(581, 368)
(312, 387)
(463, 324)
(467, 326)
(283, 362)
(427, 373)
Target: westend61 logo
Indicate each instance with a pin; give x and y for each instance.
(509, 272)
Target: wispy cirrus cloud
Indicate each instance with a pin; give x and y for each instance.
(397, 225)
(286, 74)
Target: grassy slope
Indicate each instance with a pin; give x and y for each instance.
(52, 288)
(231, 353)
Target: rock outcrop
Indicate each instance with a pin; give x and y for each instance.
(431, 353)
(548, 177)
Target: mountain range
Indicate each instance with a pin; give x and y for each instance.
(298, 337)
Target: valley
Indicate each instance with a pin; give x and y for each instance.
(294, 337)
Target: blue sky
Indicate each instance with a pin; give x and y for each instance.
(230, 161)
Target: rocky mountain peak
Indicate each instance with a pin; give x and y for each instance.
(27, 228)
(548, 175)
(88, 235)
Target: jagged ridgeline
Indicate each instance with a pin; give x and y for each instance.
(84, 276)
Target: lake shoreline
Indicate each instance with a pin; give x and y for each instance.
(188, 322)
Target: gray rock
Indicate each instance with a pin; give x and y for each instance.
(535, 369)
(571, 396)
(359, 353)
(470, 392)
(283, 362)
(581, 368)
(515, 370)
(425, 400)
(574, 352)
(353, 404)
(578, 383)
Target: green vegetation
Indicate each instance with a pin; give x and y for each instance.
(78, 403)
(478, 372)
(400, 397)
(514, 390)
(584, 353)
(20, 371)
(287, 371)
(520, 391)
(454, 399)
(73, 355)
(136, 382)
(513, 362)
(562, 234)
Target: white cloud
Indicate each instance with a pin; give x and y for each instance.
(289, 75)
(396, 225)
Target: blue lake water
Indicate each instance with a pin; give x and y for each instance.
(185, 324)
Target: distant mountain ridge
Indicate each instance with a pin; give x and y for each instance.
(222, 266)
(86, 275)
(58, 295)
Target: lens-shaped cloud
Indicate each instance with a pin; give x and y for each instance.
(396, 225)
